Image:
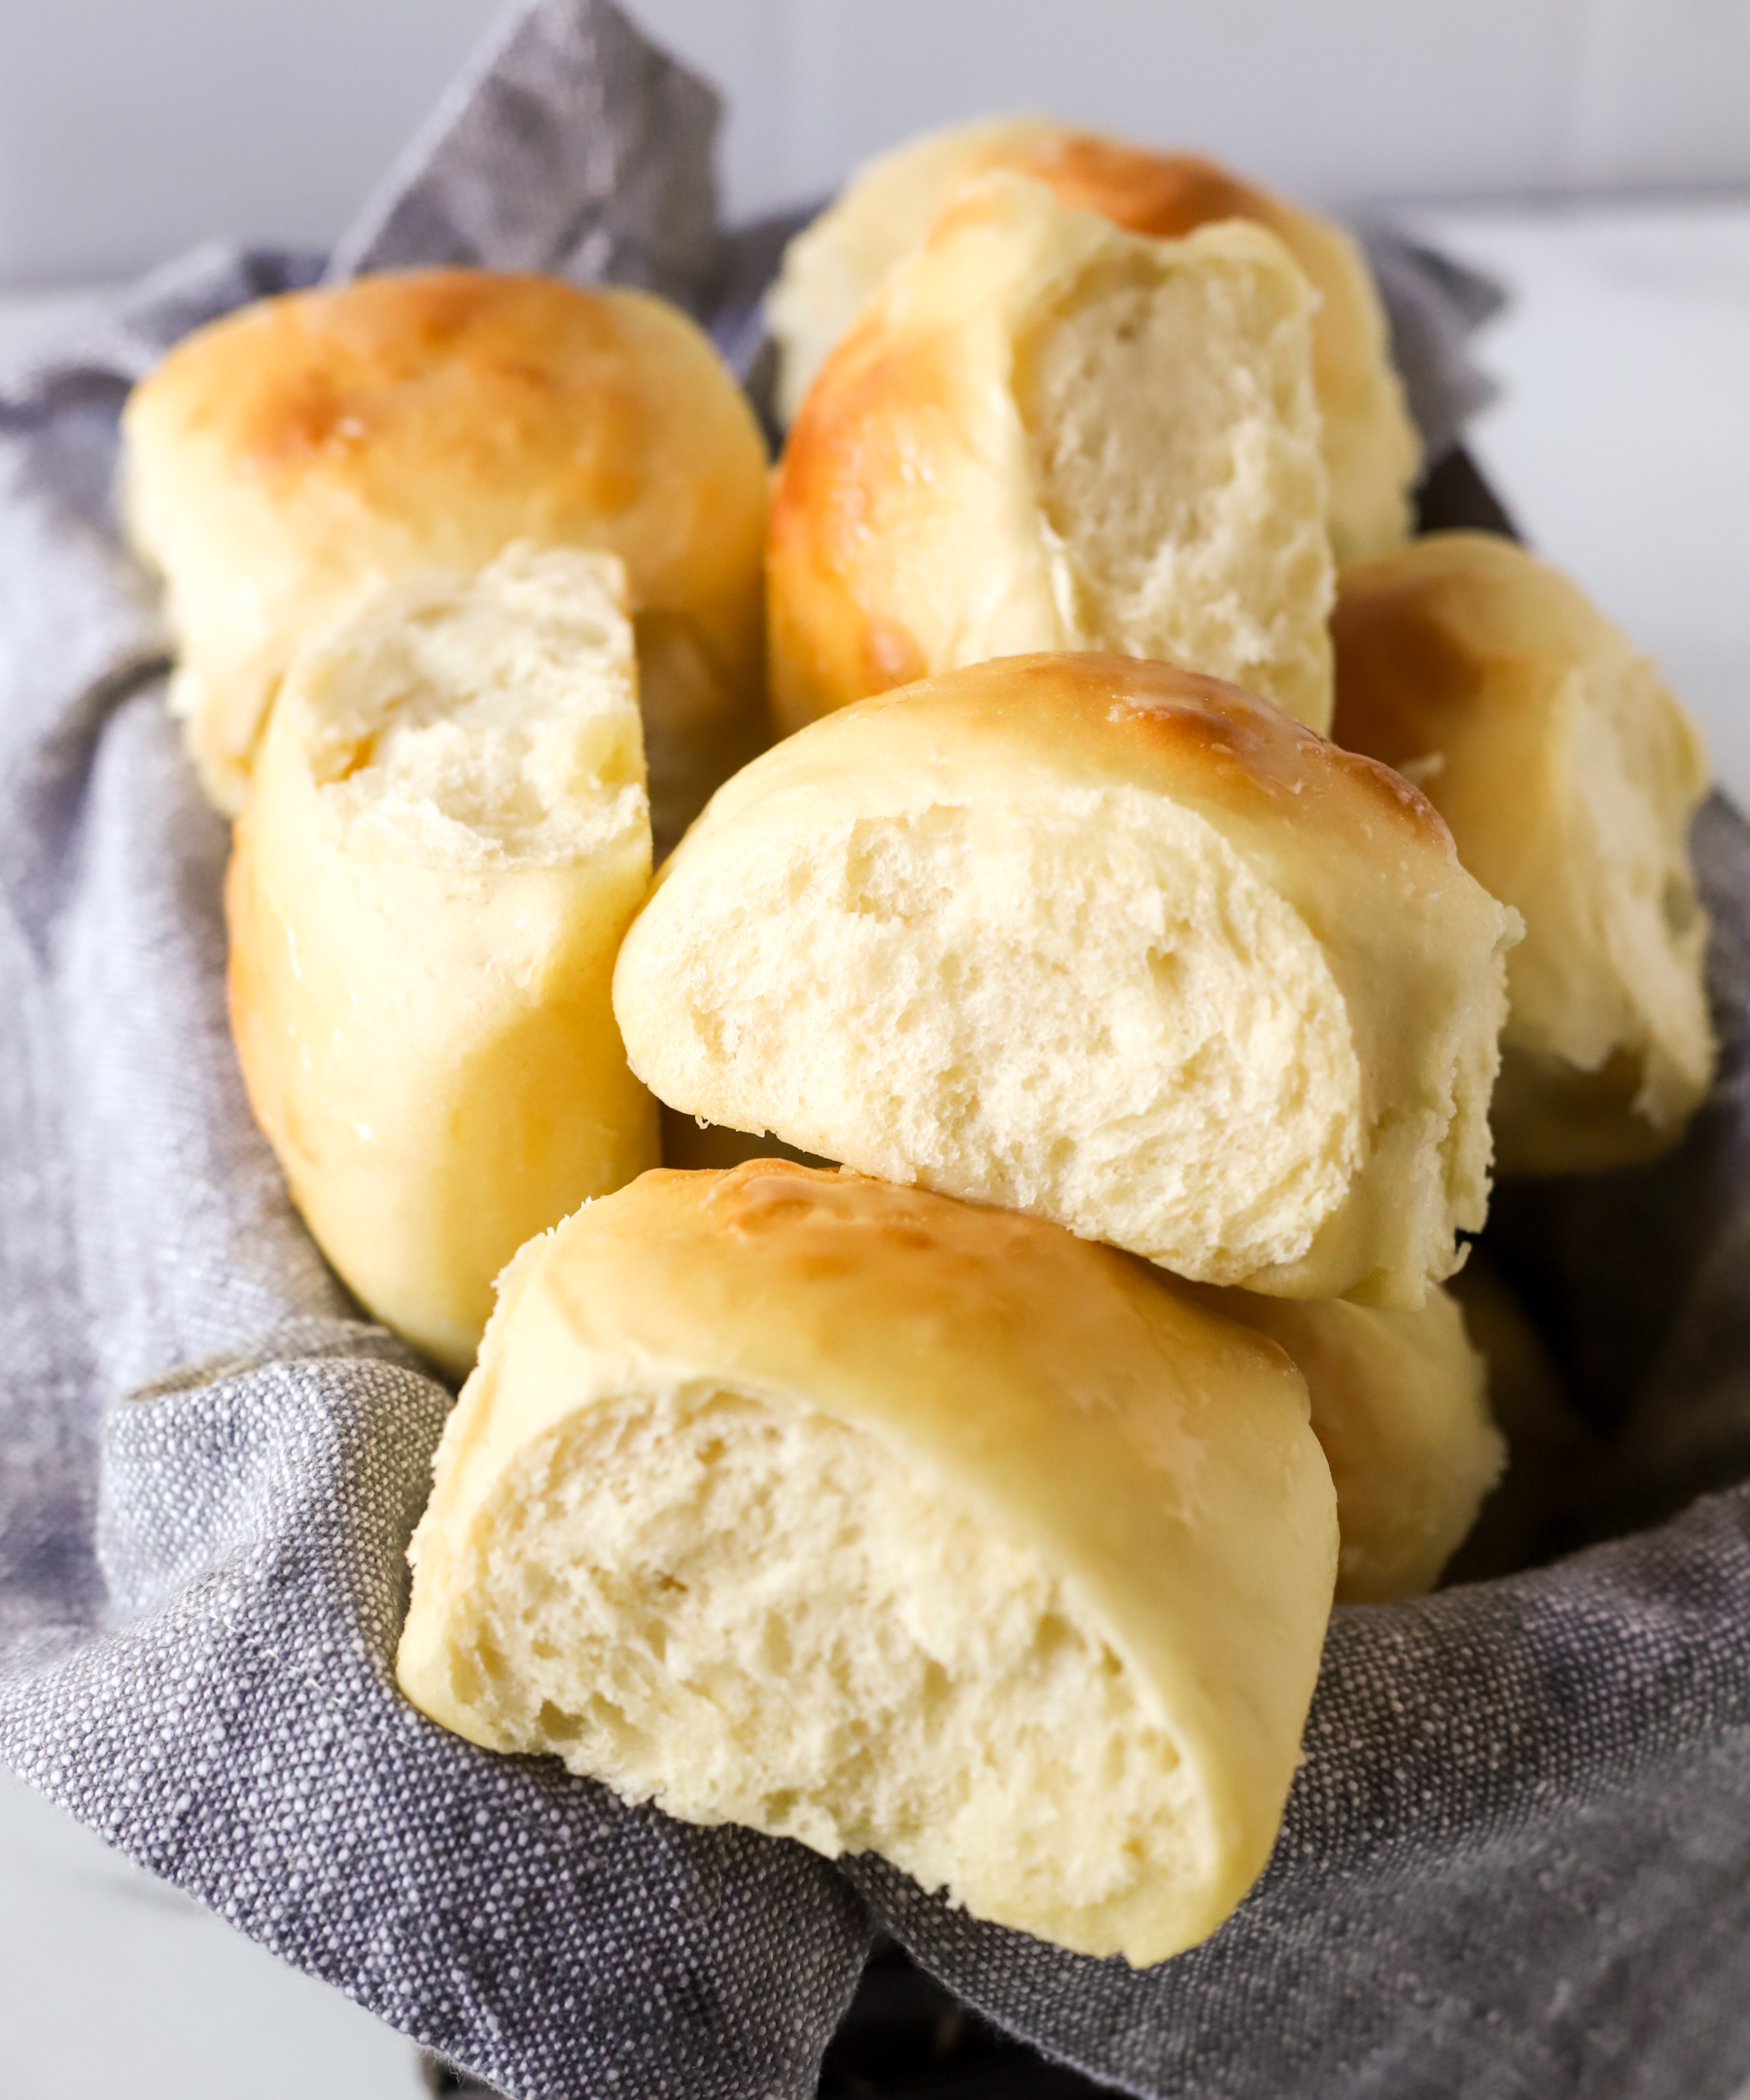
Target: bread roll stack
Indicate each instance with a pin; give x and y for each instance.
(977, 1504)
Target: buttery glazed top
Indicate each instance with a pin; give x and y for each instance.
(1161, 195)
(1099, 721)
(402, 395)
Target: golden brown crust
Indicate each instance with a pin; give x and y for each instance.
(284, 461)
(1163, 194)
(844, 468)
(1370, 445)
(1125, 720)
(1175, 722)
(913, 526)
(457, 372)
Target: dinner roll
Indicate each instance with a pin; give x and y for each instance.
(1046, 434)
(868, 1519)
(1568, 775)
(1103, 941)
(1401, 1409)
(1371, 449)
(447, 836)
(284, 462)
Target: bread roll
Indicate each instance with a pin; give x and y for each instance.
(447, 837)
(1101, 941)
(285, 462)
(1045, 434)
(830, 269)
(885, 1523)
(1401, 1409)
(1568, 775)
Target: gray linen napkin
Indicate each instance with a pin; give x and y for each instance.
(1515, 1860)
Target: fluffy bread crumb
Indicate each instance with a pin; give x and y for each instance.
(483, 719)
(1111, 971)
(1179, 475)
(750, 1613)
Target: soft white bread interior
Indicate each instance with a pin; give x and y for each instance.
(448, 838)
(833, 266)
(1103, 941)
(1568, 775)
(886, 1524)
(1401, 1409)
(1048, 434)
(285, 462)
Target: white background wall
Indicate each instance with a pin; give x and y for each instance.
(129, 128)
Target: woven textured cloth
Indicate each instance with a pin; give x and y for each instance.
(1517, 1860)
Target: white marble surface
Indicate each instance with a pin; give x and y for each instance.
(1622, 443)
